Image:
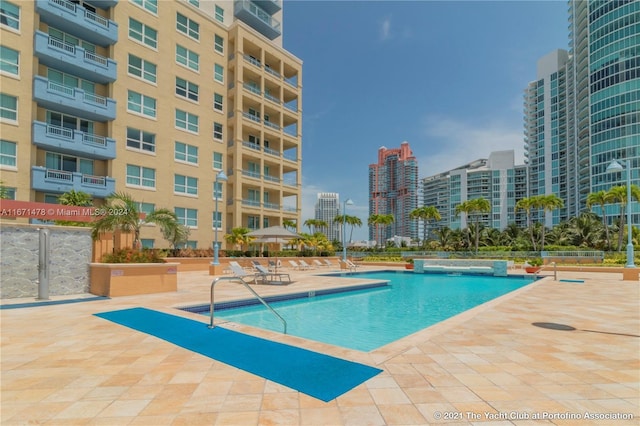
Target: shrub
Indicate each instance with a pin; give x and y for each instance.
(129, 255)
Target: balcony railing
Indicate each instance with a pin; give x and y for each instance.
(74, 142)
(271, 151)
(251, 145)
(252, 89)
(259, 19)
(271, 178)
(272, 98)
(251, 203)
(271, 71)
(271, 125)
(251, 117)
(272, 206)
(252, 60)
(60, 181)
(251, 173)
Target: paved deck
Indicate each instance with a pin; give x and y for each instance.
(61, 365)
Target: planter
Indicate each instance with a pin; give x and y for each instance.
(408, 266)
(532, 269)
(127, 279)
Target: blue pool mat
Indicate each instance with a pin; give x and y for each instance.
(320, 376)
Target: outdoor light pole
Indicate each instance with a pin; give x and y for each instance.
(346, 203)
(615, 166)
(220, 177)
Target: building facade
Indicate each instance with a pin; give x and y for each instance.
(583, 111)
(327, 208)
(496, 179)
(154, 99)
(393, 189)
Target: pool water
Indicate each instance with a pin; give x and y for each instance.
(368, 319)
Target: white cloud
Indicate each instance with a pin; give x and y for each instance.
(453, 143)
(385, 29)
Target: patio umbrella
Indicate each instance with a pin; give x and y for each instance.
(275, 234)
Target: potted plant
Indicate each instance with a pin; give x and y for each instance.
(409, 264)
(533, 265)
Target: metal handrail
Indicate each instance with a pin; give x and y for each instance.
(555, 271)
(211, 309)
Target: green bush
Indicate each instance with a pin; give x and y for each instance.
(129, 255)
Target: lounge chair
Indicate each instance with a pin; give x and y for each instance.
(304, 264)
(255, 264)
(267, 273)
(349, 265)
(328, 263)
(239, 272)
(318, 263)
(294, 265)
(274, 265)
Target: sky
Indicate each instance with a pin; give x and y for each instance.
(446, 76)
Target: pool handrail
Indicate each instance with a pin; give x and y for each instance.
(555, 271)
(211, 308)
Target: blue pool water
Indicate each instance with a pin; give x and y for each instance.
(368, 319)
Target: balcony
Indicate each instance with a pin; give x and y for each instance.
(74, 59)
(72, 100)
(257, 18)
(78, 21)
(60, 181)
(270, 6)
(103, 4)
(73, 142)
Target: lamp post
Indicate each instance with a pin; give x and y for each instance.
(615, 166)
(346, 203)
(220, 177)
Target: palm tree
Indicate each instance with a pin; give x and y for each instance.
(238, 237)
(527, 204)
(74, 198)
(351, 221)
(619, 194)
(176, 235)
(125, 217)
(548, 203)
(475, 207)
(601, 198)
(314, 224)
(289, 224)
(380, 220)
(444, 237)
(425, 213)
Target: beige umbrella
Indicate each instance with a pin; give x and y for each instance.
(273, 234)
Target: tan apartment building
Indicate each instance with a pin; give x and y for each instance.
(154, 98)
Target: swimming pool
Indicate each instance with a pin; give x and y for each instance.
(368, 319)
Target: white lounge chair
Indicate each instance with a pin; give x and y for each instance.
(328, 263)
(318, 263)
(350, 265)
(299, 267)
(239, 272)
(304, 264)
(278, 275)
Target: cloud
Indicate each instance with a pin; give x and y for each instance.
(453, 143)
(385, 29)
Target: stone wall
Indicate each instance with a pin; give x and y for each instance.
(70, 254)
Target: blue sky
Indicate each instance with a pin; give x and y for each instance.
(446, 76)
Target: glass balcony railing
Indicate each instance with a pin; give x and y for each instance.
(258, 18)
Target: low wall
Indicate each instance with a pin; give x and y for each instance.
(70, 254)
(497, 268)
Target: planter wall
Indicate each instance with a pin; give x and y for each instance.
(127, 279)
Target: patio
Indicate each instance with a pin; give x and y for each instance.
(61, 365)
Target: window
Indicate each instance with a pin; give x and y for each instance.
(143, 33)
(69, 80)
(143, 69)
(188, 58)
(217, 190)
(66, 121)
(218, 73)
(8, 107)
(196, 3)
(218, 43)
(141, 176)
(216, 221)
(253, 222)
(67, 163)
(66, 38)
(147, 242)
(141, 104)
(9, 61)
(186, 153)
(218, 101)
(8, 154)
(185, 185)
(219, 14)
(217, 160)
(217, 131)
(10, 15)
(139, 139)
(186, 89)
(187, 217)
(187, 26)
(146, 208)
(9, 192)
(186, 121)
(150, 5)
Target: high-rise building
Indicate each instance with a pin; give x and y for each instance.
(584, 109)
(327, 208)
(393, 189)
(154, 98)
(496, 179)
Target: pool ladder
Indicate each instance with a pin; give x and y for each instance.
(555, 271)
(217, 280)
